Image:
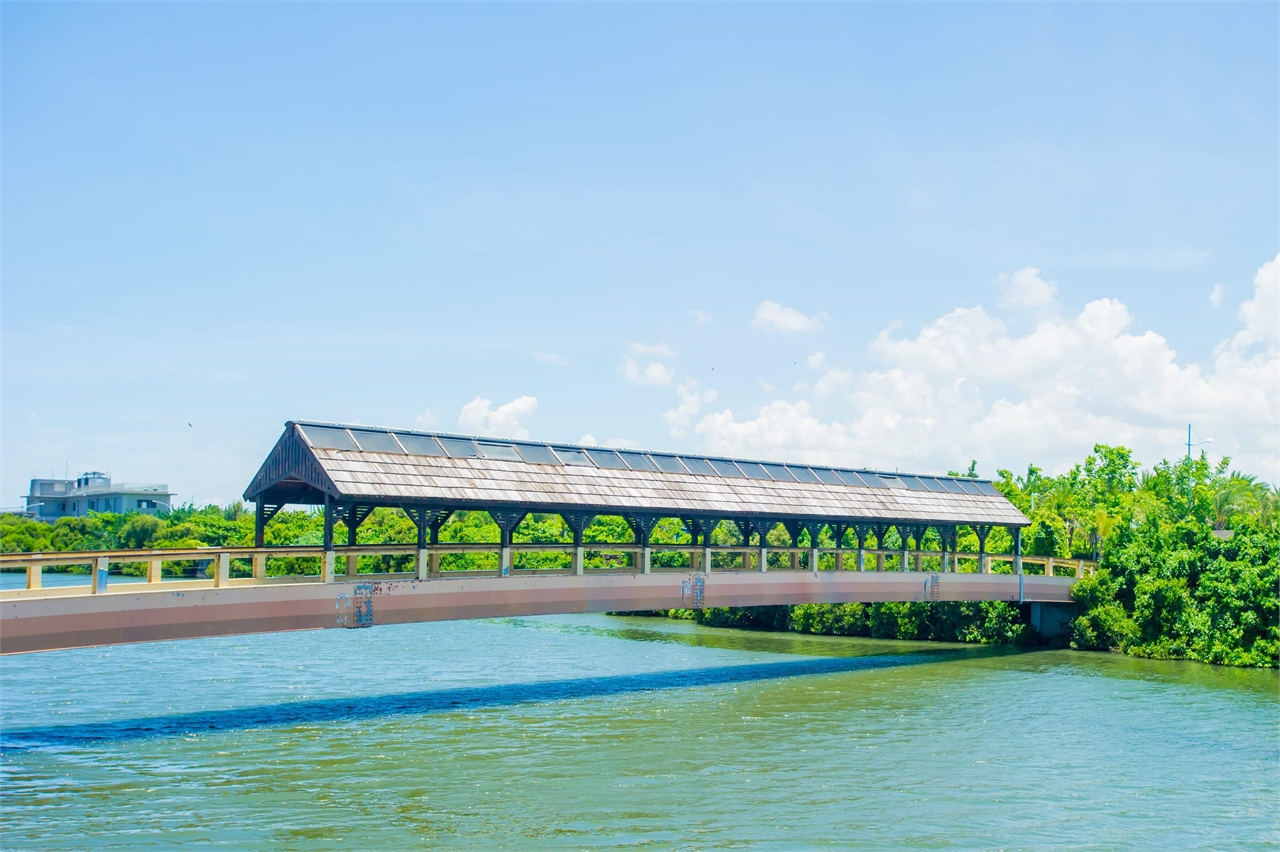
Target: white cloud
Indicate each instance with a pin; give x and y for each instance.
(766, 387)
(1026, 289)
(774, 317)
(621, 443)
(658, 350)
(653, 373)
(1215, 297)
(1261, 314)
(548, 358)
(426, 419)
(589, 440)
(967, 387)
(479, 417)
(815, 361)
(692, 399)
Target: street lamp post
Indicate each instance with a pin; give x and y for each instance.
(1190, 482)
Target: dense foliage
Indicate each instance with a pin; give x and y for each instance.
(1188, 558)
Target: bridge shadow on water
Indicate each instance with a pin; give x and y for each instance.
(446, 700)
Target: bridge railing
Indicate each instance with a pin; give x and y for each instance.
(205, 567)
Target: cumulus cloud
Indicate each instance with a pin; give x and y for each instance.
(1026, 289)
(656, 350)
(1261, 314)
(548, 358)
(1215, 295)
(774, 317)
(426, 419)
(479, 417)
(652, 373)
(692, 398)
(967, 387)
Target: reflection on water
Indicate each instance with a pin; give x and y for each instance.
(593, 732)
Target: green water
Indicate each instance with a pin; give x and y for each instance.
(596, 732)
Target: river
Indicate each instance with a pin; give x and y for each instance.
(599, 732)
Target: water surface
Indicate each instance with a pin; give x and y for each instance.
(597, 732)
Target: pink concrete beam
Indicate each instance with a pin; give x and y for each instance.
(150, 614)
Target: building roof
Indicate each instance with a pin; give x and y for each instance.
(396, 467)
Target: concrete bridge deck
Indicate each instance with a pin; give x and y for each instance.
(39, 619)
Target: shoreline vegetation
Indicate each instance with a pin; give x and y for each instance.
(1187, 551)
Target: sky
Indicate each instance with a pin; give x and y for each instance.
(904, 236)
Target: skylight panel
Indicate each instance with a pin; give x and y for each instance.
(667, 464)
(607, 458)
(828, 477)
(574, 457)
(460, 448)
(803, 474)
(778, 472)
(328, 438)
(988, 489)
(753, 470)
(537, 454)
(637, 461)
(726, 468)
(951, 485)
(698, 466)
(891, 481)
(420, 445)
(505, 452)
(967, 487)
(377, 442)
(851, 478)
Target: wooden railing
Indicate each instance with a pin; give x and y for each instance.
(221, 565)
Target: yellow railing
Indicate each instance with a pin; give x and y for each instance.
(217, 562)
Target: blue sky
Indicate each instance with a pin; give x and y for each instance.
(899, 235)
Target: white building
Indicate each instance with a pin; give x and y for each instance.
(51, 499)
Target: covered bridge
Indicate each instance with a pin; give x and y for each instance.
(350, 470)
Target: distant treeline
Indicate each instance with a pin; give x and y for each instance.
(1171, 583)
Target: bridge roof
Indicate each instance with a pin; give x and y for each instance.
(397, 467)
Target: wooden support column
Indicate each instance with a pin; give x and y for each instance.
(815, 558)
(1048, 566)
(984, 564)
(328, 567)
(903, 532)
(222, 573)
(577, 522)
(642, 527)
(34, 578)
(507, 523)
(259, 566)
(328, 522)
(155, 569)
(436, 518)
(259, 523)
(837, 530)
(1017, 550)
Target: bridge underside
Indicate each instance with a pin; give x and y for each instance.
(127, 616)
